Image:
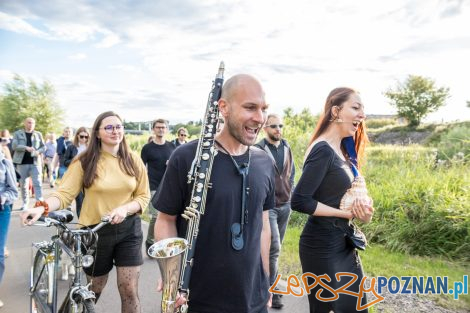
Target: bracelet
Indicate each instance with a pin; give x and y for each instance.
(45, 205)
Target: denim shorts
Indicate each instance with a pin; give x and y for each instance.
(119, 245)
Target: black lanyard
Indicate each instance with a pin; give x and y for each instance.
(237, 228)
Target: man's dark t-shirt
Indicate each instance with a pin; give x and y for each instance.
(278, 154)
(27, 158)
(155, 157)
(223, 279)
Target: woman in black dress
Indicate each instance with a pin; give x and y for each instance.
(327, 175)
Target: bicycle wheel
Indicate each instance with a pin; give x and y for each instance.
(41, 281)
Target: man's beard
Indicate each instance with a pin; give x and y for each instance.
(233, 129)
(274, 137)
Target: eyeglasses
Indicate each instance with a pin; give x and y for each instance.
(160, 127)
(274, 126)
(83, 137)
(184, 135)
(110, 128)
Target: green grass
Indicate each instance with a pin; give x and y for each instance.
(421, 208)
(378, 261)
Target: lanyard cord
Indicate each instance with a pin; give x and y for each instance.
(237, 228)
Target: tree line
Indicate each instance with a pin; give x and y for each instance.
(414, 99)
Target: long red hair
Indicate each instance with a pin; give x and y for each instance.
(338, 97)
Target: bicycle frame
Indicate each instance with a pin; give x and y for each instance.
(50, 251)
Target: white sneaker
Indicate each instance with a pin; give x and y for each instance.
(65, 272)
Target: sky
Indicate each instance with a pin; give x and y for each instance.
(157, 59)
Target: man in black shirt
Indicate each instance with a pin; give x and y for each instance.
(223, 278)
(28, 146)
(279, 151)
(155, 155)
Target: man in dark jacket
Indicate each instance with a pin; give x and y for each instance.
(62, 144)
(281, 154)
(28, 146)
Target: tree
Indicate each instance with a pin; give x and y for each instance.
(23, 99)
(298, 129)
(468, 104)
(417, 97)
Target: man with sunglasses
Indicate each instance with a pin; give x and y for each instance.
(155, 156)
(182, 134)
(279, 151)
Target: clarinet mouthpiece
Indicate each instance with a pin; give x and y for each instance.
(220, 74)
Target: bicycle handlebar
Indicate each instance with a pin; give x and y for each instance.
(60, 218)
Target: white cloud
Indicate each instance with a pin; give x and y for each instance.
(6, 75)
(18, 25)
(108, 41)
(164, 55)
(72, 31)
(77, 56)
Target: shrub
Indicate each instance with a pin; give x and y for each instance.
(452, 141)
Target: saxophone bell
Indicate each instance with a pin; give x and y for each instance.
(169, 255)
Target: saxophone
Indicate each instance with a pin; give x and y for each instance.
(175, 255)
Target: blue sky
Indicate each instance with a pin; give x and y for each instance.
(151, 59)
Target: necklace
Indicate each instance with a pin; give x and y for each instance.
(237, 228)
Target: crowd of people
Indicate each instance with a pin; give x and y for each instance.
(252, 186)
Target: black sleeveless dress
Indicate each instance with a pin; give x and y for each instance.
(322, 247)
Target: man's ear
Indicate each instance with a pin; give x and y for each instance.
(223, 107)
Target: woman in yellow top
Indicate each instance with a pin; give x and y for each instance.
(116, 184)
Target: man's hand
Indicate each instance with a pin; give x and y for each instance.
(180, 299)
(270, 301)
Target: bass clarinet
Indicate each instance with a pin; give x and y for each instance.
(175, 255)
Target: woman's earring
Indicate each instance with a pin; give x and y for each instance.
(336, 119)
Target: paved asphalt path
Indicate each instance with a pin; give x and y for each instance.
(15, 285)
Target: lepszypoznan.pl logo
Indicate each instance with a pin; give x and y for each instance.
(394, 284)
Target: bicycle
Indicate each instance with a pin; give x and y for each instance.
(45, 266)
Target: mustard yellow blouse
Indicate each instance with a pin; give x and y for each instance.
(112, 188)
